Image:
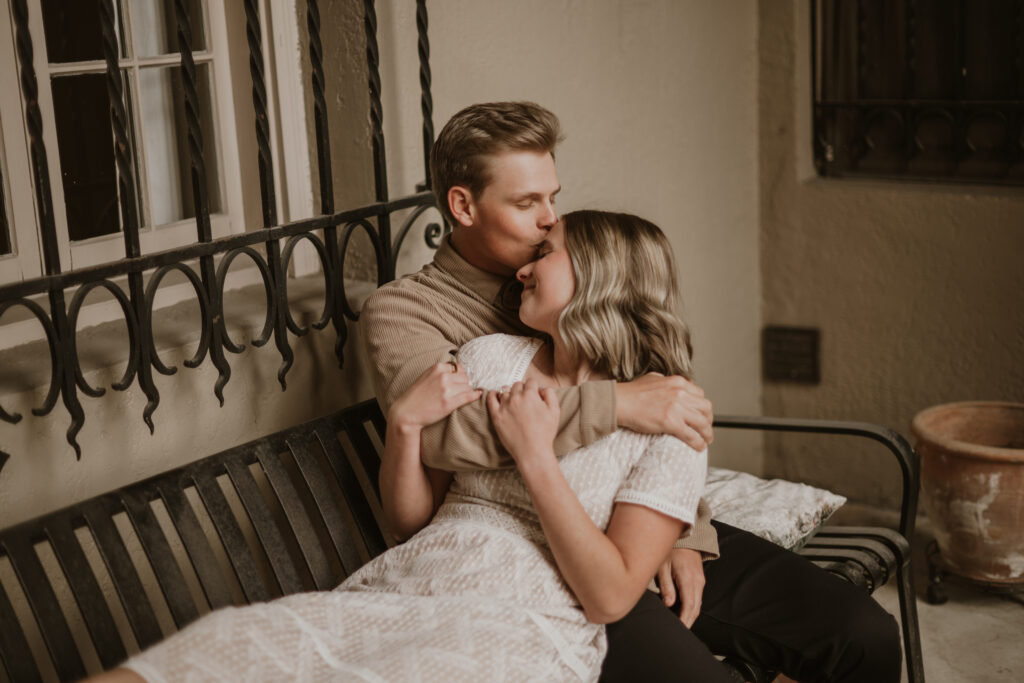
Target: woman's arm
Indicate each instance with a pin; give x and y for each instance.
(410, 491)
(607, 571)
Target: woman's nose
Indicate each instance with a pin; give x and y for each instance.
(523, 274)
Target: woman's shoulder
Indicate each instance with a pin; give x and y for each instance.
(494, 360)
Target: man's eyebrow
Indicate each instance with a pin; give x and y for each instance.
(535, 195)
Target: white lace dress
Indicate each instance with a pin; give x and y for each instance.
(474, 596)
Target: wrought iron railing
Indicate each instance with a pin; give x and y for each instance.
(214, 256)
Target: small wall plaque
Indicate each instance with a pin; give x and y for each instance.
(791, 354)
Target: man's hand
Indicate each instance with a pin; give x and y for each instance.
(656, 404)
(682, 574)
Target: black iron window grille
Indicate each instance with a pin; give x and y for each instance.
(56, 298)
(919, 90)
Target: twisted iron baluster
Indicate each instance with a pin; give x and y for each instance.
(274, 262)
(385, 260)
(200, 200)
(140, 341)
(332, 276)
(59, 344)
(426, 100)
(259, 101)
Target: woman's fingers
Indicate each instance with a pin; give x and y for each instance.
(666, 584)
(550, 397)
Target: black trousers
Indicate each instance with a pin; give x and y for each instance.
(766, 605)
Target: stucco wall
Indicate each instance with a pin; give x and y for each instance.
(918, 289)
(658, 102)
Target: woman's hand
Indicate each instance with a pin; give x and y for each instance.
(435, 395)
(526, 419)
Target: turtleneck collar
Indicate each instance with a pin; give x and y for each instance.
(501, 291)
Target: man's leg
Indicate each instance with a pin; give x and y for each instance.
(775, 608)
(651, 644)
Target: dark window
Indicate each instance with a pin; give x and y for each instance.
(930, 90)
(85, 143)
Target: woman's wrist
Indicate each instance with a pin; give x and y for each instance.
(403, 423)
(536, 463)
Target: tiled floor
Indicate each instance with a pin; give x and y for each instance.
(973, 638)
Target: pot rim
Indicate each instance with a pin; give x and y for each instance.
(967, 448)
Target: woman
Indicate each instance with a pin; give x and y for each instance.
(514, 573)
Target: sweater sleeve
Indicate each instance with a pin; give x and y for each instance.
(403, 335)
(702, 537)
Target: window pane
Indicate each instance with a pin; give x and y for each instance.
(165, 142)
(82, 113)
(5, 230)
(155, 28)
(72, 31)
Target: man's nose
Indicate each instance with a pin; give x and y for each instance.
(549, 216)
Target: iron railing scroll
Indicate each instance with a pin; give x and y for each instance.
(134, 280)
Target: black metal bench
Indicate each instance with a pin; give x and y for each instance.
(293, 511)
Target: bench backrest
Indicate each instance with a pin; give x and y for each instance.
(294, 511)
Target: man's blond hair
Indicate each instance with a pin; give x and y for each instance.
(460, 154)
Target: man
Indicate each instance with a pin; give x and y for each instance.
(495, 181)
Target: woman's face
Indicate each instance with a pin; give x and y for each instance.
(548, 283)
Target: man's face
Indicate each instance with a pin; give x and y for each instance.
(515, 212)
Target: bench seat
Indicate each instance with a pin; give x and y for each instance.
(83, 587)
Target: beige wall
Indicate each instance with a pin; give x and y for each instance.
(658, 101)
(918, 289)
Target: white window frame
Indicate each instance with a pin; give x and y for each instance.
(151, 238)
(25, 262)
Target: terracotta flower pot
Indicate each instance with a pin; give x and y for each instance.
(972, 485)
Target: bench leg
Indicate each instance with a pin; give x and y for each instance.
(909, 622)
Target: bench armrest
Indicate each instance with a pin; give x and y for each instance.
(890, 438)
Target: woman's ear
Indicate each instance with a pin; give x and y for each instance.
(460, 203)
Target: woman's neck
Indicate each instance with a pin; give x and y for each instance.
(566, 369)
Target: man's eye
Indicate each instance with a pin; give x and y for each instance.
(524, 205)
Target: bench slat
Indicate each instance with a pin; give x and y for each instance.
(14, 651)
(231, 536)
(46, 608)
(868, 562)
(161, 558)
(312, 554)
(196, 544)
(847, 571)
(377, 418)
(365, 449)
(312, 473)
(87, 593)
(885, 554)
(122, 572)
(891, 538)
(353, 492)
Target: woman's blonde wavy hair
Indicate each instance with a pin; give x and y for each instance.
(622, 318)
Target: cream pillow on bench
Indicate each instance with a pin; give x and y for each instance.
(783, 512)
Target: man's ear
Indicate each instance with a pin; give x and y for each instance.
(460, 203)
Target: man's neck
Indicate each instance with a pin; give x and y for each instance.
(466, 246)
